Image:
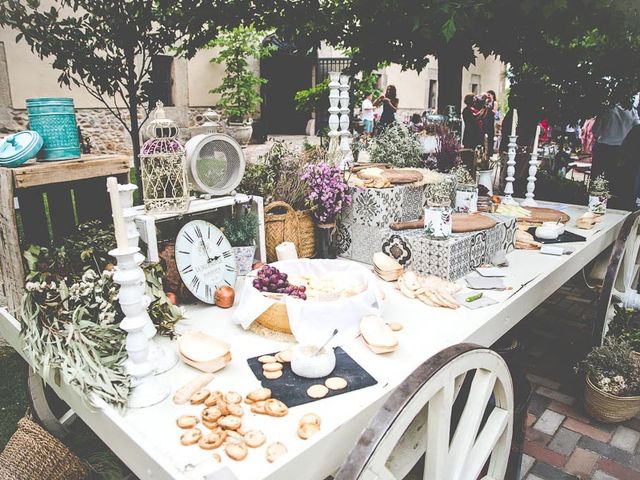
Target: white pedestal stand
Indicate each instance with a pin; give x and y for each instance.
(511, 170)
(531, 181)
(346, 157)
(146, 389)
(162, 358)
(334, 120)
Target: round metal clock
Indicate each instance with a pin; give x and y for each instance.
(204, 259)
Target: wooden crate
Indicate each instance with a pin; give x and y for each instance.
(52, 197)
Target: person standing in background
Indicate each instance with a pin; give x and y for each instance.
(389, 102)
(366, 112)
(472, 136)
(489, 120)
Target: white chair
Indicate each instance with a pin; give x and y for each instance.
(417, 420)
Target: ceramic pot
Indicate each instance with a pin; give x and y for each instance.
(326, 241)
(598, 203)
(437, 221)
(240, 132)
(485, 178)
(244, 258)
(466, 199)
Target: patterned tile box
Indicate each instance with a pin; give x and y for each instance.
(451, 258)
(374, 207)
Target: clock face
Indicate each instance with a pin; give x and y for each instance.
(204, 259)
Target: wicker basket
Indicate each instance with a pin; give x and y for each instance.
(33, 453)
(608, 408)
(291, 226)
(275, 318)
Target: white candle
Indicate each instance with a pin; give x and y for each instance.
(286, 251)
(535, 140)
(116, 210)
(514, 122)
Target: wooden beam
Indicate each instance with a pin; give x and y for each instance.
(11, 271)
(88, 166)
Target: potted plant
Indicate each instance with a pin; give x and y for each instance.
(447, 151)
(599, 194)
(612, 381)
(240, 87)
(397, 146)
(437, 211)
(625, 325)
(241, 231)
(328, 195)
(466, 190)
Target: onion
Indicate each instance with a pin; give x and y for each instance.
(224, 297)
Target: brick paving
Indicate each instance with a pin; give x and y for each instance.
(562, 442)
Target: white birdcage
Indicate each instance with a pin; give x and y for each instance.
(163, 165)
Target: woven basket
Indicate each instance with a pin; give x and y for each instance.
(33, 453)
(608, 408)
(275, 318)
(291, 226)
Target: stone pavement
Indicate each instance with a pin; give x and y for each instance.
(562, 442)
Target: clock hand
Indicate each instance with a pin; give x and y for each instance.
(214, 258)
(206, 251)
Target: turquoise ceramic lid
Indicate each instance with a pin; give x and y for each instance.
(19, 147)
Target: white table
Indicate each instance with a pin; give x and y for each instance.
(147, 440)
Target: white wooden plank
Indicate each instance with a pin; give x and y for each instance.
(486, 442)
(438, 427)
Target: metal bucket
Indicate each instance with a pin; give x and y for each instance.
(54, 118)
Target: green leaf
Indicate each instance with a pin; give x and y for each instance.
(449, 29)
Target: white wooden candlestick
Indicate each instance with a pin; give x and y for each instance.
(146, 389)
(334, 110)
(511, 170)
(531, 181)
(163, 358)
(346, 156)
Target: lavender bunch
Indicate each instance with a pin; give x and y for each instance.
(447, 150)
(328, 192)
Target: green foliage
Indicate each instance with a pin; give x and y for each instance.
(625, 326)
(276, 175)
(398, 146)
(613, 368)
(240, 88)
(241, 231)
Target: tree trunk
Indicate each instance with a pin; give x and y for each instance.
(133, 116)
(449, 79)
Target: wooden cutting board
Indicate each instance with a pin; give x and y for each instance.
(539, 215)
(462, 223)
(402, 176)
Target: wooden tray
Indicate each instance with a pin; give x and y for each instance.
(402, 176)
(462, 223)
(539, 215)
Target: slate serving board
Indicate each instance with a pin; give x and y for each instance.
(564, 238)
(292, 389)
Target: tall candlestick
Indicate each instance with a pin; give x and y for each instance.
(535, 140)
(511, 170)
(514, 122)
(531, 179)
(116, 211)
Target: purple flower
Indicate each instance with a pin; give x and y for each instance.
(327, 191)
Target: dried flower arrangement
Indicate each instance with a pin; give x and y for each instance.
(447, 150)
(328, 191)
(599, 186)
(71, 315)
(241, 231)
(462, 175)
(439, 193)
(398, 146)
(613, 368)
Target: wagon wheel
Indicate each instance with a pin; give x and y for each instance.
(417, 419)
(48, 408)
(620, 285)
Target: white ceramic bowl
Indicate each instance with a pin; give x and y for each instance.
(557, 226)
(547, 233)
(305, 364)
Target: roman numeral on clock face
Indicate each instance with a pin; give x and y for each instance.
(219, 240)
(198, 231)
(187, 269)
(207, 291)
(195, 283)
(229, 268)
(188, 237)
(226, 254)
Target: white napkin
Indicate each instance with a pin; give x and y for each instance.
(313, 321)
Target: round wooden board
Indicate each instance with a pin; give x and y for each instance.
(539, 215)
(467, 222)
(402, 176)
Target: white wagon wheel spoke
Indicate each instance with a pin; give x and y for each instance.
(621, 280)
(417, 420)
(56, 420)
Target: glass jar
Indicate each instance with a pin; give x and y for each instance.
(466, 198)
(438, 220)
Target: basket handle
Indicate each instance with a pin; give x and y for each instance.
(277, 204)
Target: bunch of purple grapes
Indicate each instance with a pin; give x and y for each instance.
(272, 280)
